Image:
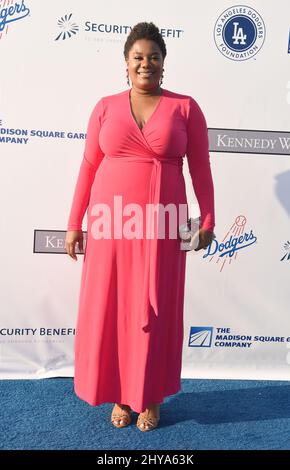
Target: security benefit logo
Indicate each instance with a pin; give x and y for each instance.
(68, 27)
(286, 256)
(239, 33)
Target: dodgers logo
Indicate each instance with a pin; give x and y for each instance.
(239, 33)
(235, 240)
(11, 13)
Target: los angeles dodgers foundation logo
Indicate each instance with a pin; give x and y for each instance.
(239, 33)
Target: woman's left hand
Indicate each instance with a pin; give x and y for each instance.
(205, 239)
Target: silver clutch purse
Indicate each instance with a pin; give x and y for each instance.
(188, 234)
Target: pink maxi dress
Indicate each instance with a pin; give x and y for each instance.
(129, 333)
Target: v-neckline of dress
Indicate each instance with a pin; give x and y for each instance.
(152, 114)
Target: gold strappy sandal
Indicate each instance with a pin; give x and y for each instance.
(121, 416)
(149, 419)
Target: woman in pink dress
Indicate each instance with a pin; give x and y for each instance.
(129, 335)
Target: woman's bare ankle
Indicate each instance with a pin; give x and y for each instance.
(153, 407)
(120, 405)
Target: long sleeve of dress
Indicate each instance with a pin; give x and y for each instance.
(199, 164)
(92, 158)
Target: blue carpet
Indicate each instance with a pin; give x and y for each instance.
(206, 414)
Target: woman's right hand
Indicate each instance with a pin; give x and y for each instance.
(73, 237)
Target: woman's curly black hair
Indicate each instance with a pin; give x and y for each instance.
(144, 31)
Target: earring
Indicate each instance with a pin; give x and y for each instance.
(161, 78)
(128, 81)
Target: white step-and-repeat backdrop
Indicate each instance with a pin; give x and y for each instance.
(57, 59)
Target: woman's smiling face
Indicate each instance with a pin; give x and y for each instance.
(145, 64)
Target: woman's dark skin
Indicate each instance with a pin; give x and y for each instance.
(144, 56)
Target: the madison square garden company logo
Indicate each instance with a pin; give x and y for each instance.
(225, 337)
(239, 32)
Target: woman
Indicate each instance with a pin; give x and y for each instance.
(129, 333)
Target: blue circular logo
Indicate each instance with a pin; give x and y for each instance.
(239, 32)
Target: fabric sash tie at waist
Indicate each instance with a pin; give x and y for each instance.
(152, 246)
